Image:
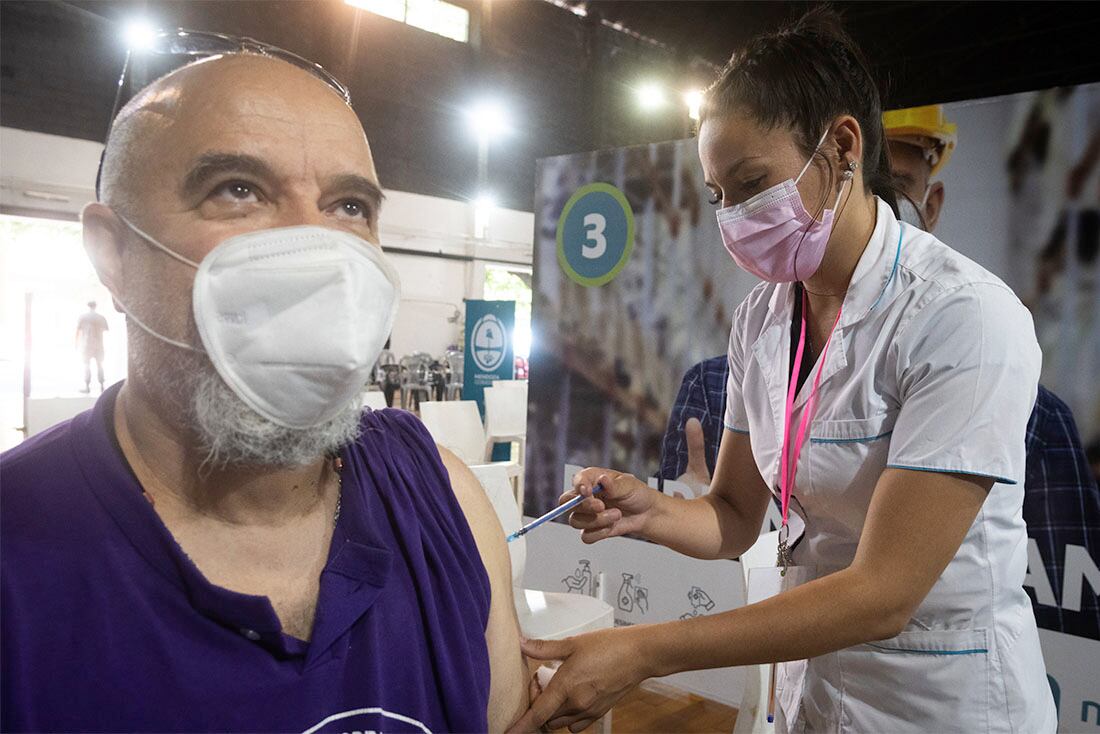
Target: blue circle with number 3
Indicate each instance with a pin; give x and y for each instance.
(595, 234)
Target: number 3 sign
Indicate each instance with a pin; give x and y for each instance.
(595, 234)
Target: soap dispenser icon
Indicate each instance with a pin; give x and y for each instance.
(626, 593)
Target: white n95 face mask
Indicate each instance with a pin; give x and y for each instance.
(293, 319)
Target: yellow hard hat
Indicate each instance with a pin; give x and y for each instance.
(924, 127)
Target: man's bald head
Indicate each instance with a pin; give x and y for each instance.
(227, 146)
(143, 129)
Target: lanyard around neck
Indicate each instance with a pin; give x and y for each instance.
(789, 453)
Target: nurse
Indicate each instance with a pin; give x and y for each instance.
(880, 386)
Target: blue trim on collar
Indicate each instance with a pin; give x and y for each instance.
(893, 270)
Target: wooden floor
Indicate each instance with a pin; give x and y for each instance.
(656, 708)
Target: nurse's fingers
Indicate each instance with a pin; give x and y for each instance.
(572, 720)
(588, 537)
(590, 506)
(542, 708)
(595, 521)
(585, 481)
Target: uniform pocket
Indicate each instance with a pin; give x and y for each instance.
(919, 681)
(846, 455)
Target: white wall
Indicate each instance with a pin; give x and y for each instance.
(430, 239)
(448, 264)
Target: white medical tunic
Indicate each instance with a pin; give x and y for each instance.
(933, 366)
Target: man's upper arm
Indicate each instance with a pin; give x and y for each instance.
(508, 691)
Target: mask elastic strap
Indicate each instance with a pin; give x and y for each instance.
(151, 332)
(811, 158)
(838, 195)
(152, 241)
(924, 199)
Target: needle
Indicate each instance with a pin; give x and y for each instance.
(556, 512)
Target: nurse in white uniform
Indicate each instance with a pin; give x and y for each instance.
(880, 386)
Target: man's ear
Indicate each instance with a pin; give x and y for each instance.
(104, 241)
(934, 205)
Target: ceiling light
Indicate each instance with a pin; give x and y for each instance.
(651, 96)
(488, 119)
(139, 35)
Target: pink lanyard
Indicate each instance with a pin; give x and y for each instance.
(789, 454)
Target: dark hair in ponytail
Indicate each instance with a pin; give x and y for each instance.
(803, 77)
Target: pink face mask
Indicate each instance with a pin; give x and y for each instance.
(772, 236)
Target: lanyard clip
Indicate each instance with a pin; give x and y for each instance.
(783, 559)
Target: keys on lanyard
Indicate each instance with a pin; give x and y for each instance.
(788, 455)
(783, 559)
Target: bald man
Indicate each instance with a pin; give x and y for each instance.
(179, 559)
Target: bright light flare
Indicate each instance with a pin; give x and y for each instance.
(139, 35)
(651, 96)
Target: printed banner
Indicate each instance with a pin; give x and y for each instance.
(489, 356)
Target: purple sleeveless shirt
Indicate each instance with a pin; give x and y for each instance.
(107, 626)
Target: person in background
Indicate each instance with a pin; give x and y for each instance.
(227, 541)
(921, 141)
(1061, 508)
(89, 340)
(689, 450)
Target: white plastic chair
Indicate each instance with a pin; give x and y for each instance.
(378, 373)
(517, 384)
(543, 615)
(456, 368)
(375, 400)
(415, 379)
(752, 716)
(456, 425)
(505, 422)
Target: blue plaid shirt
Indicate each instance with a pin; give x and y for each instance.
(1061, 507)
(1061, 500)
(702, 396)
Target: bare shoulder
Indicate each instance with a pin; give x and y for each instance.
(476, 506)
(509, 675)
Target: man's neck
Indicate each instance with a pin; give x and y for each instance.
(852, 231)
(169, 466)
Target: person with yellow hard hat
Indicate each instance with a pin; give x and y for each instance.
(921, 141)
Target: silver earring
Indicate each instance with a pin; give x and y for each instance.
(847, 175)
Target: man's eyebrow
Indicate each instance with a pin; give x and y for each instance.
(213, 164)
(354, 183)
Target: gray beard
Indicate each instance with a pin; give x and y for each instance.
(233, 434)
(224, 427)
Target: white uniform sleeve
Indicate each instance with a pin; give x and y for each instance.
(737, 418)
(968, 370)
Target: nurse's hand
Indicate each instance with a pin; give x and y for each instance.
(597, 669)
(623, 506)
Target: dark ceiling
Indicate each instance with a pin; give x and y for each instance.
(568, 79)
(922, 52)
